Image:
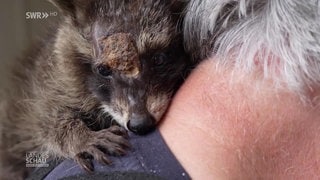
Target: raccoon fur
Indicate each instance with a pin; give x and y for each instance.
(109, 62)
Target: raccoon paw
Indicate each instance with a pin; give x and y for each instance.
(112, 141)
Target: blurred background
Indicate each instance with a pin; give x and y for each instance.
(18, 29)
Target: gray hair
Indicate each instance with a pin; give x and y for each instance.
(280, 36)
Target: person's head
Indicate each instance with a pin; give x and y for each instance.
(240, 113)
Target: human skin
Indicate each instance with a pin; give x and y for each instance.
(229, 125)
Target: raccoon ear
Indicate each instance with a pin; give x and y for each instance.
(76, 9)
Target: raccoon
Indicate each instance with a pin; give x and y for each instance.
(111, 66)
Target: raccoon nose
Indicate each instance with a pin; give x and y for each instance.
(141, 124)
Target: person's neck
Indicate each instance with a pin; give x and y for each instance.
(223, 131)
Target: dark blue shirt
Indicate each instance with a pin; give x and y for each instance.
(149, 154)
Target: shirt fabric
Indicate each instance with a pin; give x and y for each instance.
(149, 155)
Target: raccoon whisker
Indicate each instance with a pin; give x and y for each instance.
(101, 85)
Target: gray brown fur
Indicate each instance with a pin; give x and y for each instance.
(58, 103)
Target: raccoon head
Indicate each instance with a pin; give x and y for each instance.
(137, 60)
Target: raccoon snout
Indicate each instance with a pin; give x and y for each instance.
(142, 124)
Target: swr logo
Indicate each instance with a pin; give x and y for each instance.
(39, 15)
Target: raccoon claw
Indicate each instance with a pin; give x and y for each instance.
(119, 131)
(85, 163)
(112, 141)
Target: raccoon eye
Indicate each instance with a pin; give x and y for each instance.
(160, 59)
(103, 70)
